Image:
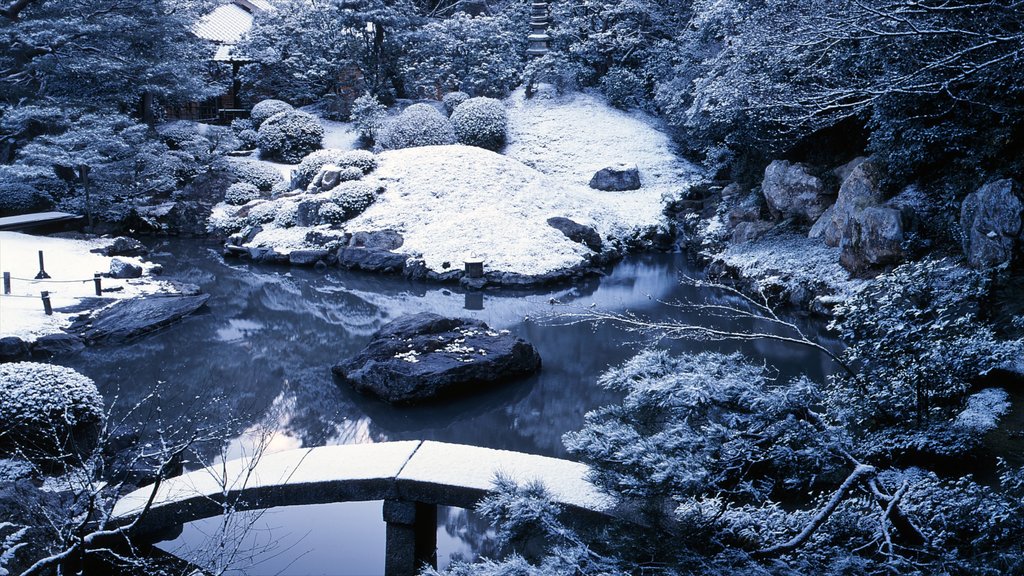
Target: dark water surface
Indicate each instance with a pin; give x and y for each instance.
(270, 335)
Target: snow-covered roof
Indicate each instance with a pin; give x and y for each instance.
(226, 24)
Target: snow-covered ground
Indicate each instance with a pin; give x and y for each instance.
(71, 266)
(450, 202)
(569, 137)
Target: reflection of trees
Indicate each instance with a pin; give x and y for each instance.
(473, 530)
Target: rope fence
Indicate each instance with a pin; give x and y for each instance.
(47, 295)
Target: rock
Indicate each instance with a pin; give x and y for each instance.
(843, 172)
(576, 232)
(306, 257)
(372, 260)
(307, 212)
(379, 240)
(991, 222)
(617, 178)
(750, 231)
(123, 246)
(57, 344)
(124, 269)
(859, 190)
(129, 319)
(185, 218)
(13, 349)
(425, 356)
(873, 238)
(791, 191)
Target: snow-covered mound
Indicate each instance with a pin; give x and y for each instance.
(452, 201)
(572, 136)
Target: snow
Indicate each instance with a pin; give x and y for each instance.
(21, 313)
(792, 261)
(455, 202)
(439, 463)
(570, 137)
(475, 468)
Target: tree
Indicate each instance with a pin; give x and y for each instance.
(113, 56)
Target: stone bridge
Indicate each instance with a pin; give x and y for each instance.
(411, 477)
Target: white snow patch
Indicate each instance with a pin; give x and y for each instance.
(571, 137)
(452, 202)
(21, 313)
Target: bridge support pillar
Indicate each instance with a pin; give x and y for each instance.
(411, 537)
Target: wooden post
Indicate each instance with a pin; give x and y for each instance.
(411, 539)
(7, 282)
(97, 279)
(42, 275)
(474, 267)
(47, 307)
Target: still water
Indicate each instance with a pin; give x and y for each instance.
(261, 353)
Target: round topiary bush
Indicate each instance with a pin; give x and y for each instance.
(290, 135)
(365, 161)
(331, 213)
(18, 199)
(239, 125)
(47, 410)
(287, 214)
(265, 109)
(452, 100)
(417, 125)
(259, 175)
(262, 213)
(241, 193)
(354, 197)
(481, 122)
(249, 139)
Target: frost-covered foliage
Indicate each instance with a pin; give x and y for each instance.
(303, 51)
(262, 213)
(624, 88)
(368, 114)
(417, 125)
(481, 122)
(17, 198)
(239, 125)
(248, 139)
(45, 409)
(482, 55)
(289, 135)
(354, 197)
(331, 213)
(241, 193)
(264, 109)
(13, 536)
(917, 339)
(287, 214)
(738, 474)
(452, 100)
(256, 173)
(362, 160)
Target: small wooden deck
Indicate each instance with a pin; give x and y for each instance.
(39, 220)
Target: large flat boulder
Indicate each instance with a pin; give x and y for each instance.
(128, 319)
(425, 356)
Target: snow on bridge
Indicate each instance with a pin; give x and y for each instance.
(412, 477)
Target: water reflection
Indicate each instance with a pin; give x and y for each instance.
(270, 335)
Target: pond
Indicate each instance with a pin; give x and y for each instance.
(262, 351)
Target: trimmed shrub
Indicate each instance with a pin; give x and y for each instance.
(259, 175)
(290, 135)
(287, 214)
(331, 213)
(354, 197)
(262, 111)
(417, 125)
(16, 198)
(262, 213)
(249, 139)
(365, 161)
(239, 125)
(368, 114)
(47, 410)
(241, 193)
(452, 100)
(280, 188)
(481, 122)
